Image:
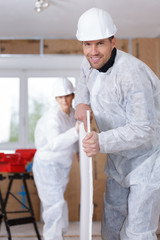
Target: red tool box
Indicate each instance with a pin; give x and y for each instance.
(11, 163)
(16, 162)
(26, 154)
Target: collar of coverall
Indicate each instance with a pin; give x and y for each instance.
(110, 62)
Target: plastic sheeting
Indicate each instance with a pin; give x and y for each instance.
(86, 210)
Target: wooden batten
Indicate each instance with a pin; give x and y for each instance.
(62, 46)
(19, 46)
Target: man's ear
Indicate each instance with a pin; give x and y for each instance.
(114, 40)
(73, 95)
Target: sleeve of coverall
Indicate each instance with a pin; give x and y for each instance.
(59, 141)
(136, 91)
(82, 93)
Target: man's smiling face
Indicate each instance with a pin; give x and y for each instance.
(98, 52)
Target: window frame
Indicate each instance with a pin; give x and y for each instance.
(23, 75)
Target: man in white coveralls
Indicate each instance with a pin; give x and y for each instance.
(56, 139)
(124, 95)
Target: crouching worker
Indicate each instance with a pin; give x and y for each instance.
(56, 139)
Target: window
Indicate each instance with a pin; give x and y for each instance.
(40, 91)
(9, 107)
(26, 91)
(23, 100)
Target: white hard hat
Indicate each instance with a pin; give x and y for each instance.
(95, 24)
(63, 87)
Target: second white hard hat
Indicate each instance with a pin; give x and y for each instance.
(95, 24)
(63, 87)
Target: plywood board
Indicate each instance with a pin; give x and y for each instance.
(99, 189)
(145, 49)
(99, 162)
(19, 46)
(62, 46)
(72, 194)
(122, 44)
(158, 57)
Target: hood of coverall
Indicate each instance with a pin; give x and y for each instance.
(63, 87)
(95, 24)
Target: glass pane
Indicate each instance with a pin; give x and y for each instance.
(9, 106)
(40, 91)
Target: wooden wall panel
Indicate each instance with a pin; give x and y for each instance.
(72, 194)
(145, 49)
(158, 57)
(71, 46)
(122, 44)
(62, 46)
(19, 46)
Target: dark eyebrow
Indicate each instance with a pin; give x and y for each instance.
(101, 41)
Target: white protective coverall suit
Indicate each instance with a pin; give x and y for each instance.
(56, 141)
(126, 104)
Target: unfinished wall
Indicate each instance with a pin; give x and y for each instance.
(49, 46)
(147, 51)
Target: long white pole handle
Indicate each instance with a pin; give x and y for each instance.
(88, 121)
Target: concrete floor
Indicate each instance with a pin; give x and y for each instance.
(27, 232)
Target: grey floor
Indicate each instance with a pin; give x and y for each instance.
(26, 232)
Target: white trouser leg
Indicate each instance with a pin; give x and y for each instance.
(143, 213)
(65, 222)
(52, 216)
(143, 202)
(51, 182)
